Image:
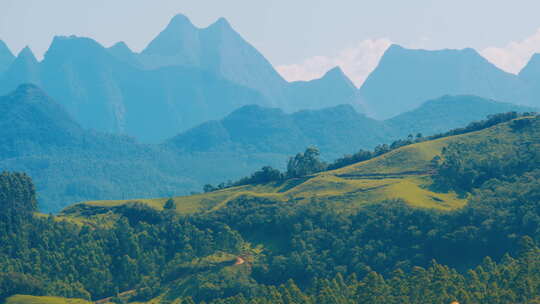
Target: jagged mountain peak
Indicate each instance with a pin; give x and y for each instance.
(180, 20)
(27, 55)
(336, 74)
(63, 47)
(404, 78)
(121, 45)
(221, 24)
(122, 52)
(178, 38)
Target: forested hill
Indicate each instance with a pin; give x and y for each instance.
(335, 131)
(450, 219)
(256, 129)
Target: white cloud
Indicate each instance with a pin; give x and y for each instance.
(356, 62)
(515, 55)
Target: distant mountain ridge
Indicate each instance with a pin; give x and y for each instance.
(255, 129)
(189, 75)
(405, 78)
(335, 130)
(184, 77)
(449, 112)
(70, 163)
(110, 95)
(217, 48)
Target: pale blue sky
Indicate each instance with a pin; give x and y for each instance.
(285, 31)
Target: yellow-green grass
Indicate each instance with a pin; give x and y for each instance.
(60, 218)
(24, 299)
(404, 173)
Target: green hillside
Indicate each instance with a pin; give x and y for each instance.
(382, 230)
(24, 299)
(404, 173)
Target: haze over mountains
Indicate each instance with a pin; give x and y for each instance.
(201, 105)
(191, 172)
(406, 78)
(189, 75)
(184, 77)
(70, 163)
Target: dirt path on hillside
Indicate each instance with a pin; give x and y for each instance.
(125, 293)
(239, 261)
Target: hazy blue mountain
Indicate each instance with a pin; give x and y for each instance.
(336, 130)
(217, 48)
(155, 95)
(71, 164)
(178, 44)
(83, 76)
(254, 129)
(220, 49)
(30, 118)
(6, 57)
(112, 95)
(185, 76)
(122, 52)
(405, 78)
(448, 112)
(24, 69)
(323, 92)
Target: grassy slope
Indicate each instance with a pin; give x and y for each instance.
(401, 174)
(404, 173)
(23, 299)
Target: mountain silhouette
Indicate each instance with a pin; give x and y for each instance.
(405, 78)
(6, 57)
(184, 77)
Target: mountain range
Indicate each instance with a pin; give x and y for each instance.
(184, 77)
(188, 75)
(409, 196)
(70, 163)
(405, 78)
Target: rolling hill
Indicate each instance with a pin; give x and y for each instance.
(381, 218)
(254, 129)
(405, 173)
